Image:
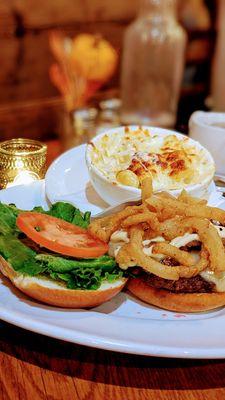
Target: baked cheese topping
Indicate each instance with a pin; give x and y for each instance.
(172, 162)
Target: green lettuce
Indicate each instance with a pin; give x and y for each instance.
(67, 212)
(8, 217)
(21, 257)
(75, 273)
(81, 273)
(60, 264)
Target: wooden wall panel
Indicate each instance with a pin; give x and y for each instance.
(7, 19)
(61, 12)
(26, 108)
(40, 119)
(24, 68)
(25, 61)
(25, 56)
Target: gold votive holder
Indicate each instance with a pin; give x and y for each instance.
(21, 161)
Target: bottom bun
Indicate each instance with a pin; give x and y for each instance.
(181, 302)
(50, 292)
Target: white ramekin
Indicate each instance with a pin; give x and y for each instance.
(115, 193)
(209, 129)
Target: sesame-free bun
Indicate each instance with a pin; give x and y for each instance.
(180, 302)
(50, 292)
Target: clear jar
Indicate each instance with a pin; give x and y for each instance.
(109, 115)
(84, 123)
(78, 127)
(152, 65)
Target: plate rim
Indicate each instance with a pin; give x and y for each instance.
(80, 148)
(86, 339)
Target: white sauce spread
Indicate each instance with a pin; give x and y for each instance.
(148, 250)
(220, 230)
(117, 240)
(181, 241)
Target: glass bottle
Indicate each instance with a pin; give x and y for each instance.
(152, 65)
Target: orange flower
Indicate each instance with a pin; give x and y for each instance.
(93, 57)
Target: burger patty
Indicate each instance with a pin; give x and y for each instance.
(183, 285)
(193, 245)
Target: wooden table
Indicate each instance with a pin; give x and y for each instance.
(34, 367)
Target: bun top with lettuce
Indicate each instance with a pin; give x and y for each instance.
(50, 256)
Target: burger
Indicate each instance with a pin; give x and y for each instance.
(201, 292)
(173, 251)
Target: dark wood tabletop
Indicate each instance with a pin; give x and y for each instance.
(34, 367)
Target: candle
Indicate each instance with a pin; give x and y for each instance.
(21, 161)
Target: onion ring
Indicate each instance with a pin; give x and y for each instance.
(172, 228)
(201, 265)
(208, 235)
(158, 269)
(183, 257)
(146, 188)
(186, 198)
(210, 238)
(103, 228)
(146, 262)
(124, 257)
(146, 216)
(169, 208)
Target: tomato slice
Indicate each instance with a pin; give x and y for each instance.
(60, 236)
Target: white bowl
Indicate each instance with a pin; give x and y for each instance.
(115, 193)
(209, 129)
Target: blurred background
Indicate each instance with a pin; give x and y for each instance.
(34, 104)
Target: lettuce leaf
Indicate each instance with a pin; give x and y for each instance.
(62, 265)
(75, 273)
(79, 220)
(87, 278)
(65, 211)
(81, 273)
(69, 213)
(8, 220)
(16, 253)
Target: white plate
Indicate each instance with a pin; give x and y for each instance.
(68, 179)
(123, 324)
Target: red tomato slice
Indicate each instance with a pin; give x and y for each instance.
(60, 236)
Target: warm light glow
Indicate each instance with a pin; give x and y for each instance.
(24, 178)
(19, 163)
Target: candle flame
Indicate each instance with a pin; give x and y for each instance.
(24, 178)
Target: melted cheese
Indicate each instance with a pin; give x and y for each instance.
(181, 241)
(217, 279)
